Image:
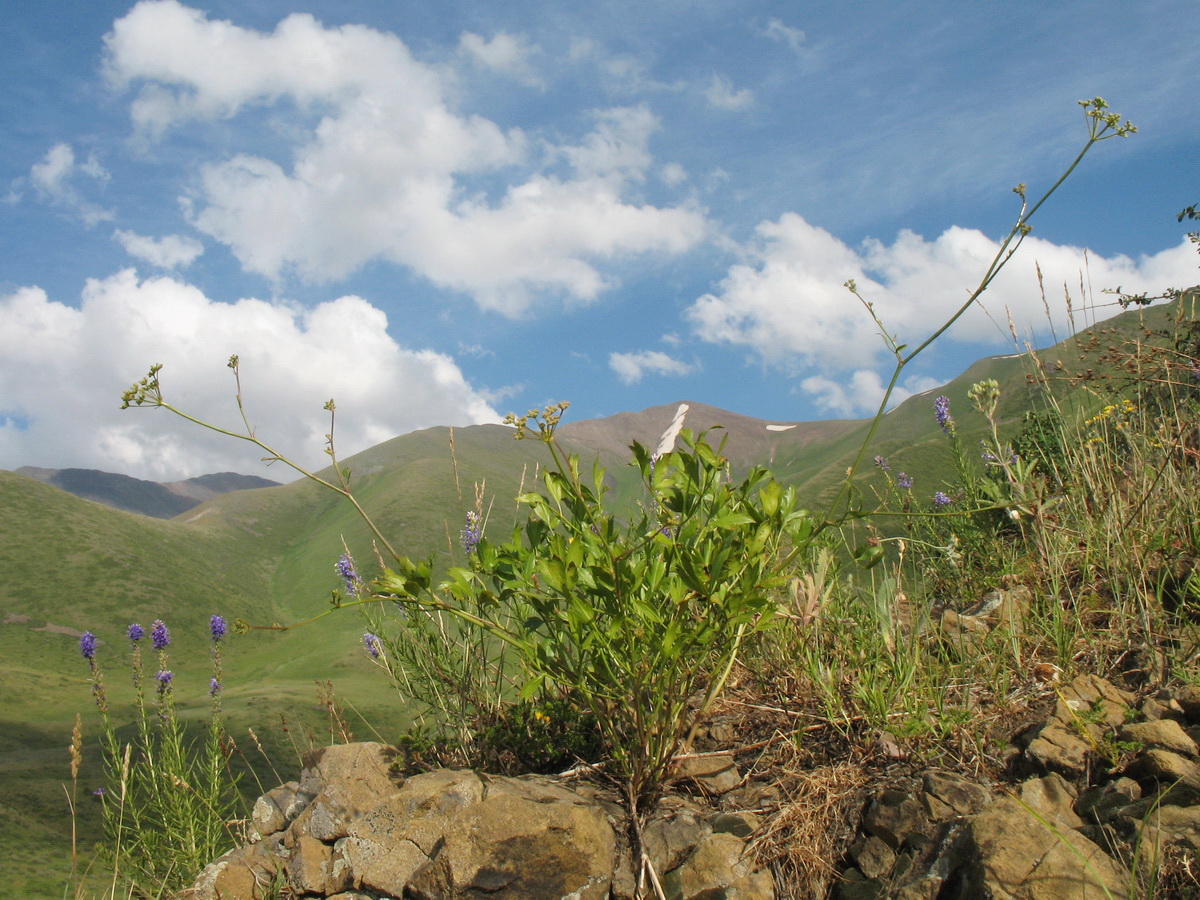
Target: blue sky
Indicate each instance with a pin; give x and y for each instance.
(439, 213)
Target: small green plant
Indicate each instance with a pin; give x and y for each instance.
(168, 803)
(633, 618)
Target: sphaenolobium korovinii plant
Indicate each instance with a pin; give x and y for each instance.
(634, 617)
(631, 614)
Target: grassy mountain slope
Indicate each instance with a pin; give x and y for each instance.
(267, 554)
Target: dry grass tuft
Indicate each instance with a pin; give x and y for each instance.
(804, 840)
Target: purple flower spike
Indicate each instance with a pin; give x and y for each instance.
(904, 480)
(217, 626)
(87, 645)
(345, 568)
(882, 463)
(214, 687)
(164, 679)
(136, 632)
(471, 533)
(941, 499)
(941, 411)
(160, 635)
(371, 642)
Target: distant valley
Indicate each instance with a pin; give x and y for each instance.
(149, 498)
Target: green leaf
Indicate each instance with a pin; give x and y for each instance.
(532, 686)
(869, 555)
(732, 520)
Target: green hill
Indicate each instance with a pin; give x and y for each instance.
(267, 554)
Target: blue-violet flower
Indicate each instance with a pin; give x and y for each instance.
(371, 642)
(160, 635)
(941, 411)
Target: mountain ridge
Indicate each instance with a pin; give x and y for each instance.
(158, 499)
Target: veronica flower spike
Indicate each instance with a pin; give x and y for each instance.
(345, 568)
(160, 635)
(371, 643)
(941, 412)
(471, 533)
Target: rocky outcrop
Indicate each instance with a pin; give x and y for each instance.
(1109, 791)
(350, 829)
(1101, 792)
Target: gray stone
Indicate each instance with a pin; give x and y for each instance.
(1060, 748)
(944, 795)
(310, 870)
(718, 868)
(742, 824)
(362, 782)
(1169, 826)
(714, 773)
(1090, 698)
(1016, 857)
(1154, 709)
(276, 809)
(1188, 697)
(245, 873)
(1102, 804)
(873, 857)
(1167, 768)
(854, 885)
(458, 834)
(524, 838)
(669, 839)
(1163, 734)
(1053, 798)
(896, 817)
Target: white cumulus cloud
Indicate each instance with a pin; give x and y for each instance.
(389, 172)
(722, 94)
(777, 30)
(52, 179)
(631, 367)
(786, 301)
(861, 393)
(506, 53)
(63, 369)
(172, 251)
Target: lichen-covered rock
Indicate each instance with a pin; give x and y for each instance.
(351, 829)
(897, 817)
(711, 774)
(718, 867)
(1052, 798)
(1162, 734)
(945, 795)
(1014, 855)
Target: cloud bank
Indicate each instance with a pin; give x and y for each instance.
(386, 168)
(631, 367)
(787, 303)
(63, 369)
